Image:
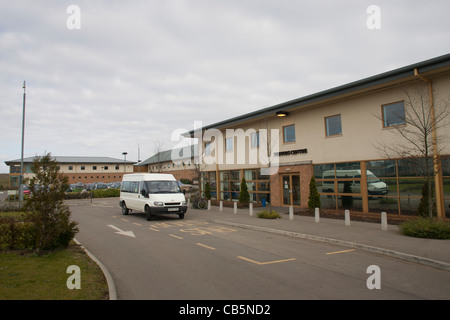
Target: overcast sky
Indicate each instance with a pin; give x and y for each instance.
(129, 73)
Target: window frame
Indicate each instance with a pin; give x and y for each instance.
(384, 121)
(327, 134)
(284, 133)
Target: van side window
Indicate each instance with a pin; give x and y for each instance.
(126, 186)
(130, 186)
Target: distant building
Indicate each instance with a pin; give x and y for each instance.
(77, 169)
(179, 162)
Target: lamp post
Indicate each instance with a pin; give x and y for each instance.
(124, 162)
(21, 157)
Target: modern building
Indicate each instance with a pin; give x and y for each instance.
(179, 162)
(346, 137)
(77, 169)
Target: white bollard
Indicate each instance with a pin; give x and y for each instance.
(209, 204)
(221, 206)
(250, 209)
(235, 207)
(347, 218)
(291, 213)
(384, 223)
(316, 215)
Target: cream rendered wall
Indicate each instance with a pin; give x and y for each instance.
(362, 129)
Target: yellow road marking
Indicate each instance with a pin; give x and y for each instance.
(263, 263)
(340, 251)
(204, 245)
(124, 219)
(138, 224)
(153, 229)
(172, 235)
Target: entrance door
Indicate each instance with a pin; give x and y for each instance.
(291, 189)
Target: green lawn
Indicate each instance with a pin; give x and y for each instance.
(26, 276)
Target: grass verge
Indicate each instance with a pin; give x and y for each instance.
(27, 276)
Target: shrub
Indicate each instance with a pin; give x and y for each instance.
(426, 228)
(314, 197)
(46, 209)
(106, 193)
(244, 196)
(265, 214)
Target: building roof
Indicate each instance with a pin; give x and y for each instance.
(74, 159)
(404, 73)
(186, 152)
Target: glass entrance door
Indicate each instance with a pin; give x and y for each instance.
(290, 184)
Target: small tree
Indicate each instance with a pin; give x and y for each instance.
(423, 209)
(314, 197)
(207, 191)
(50, 216)
(244, 196)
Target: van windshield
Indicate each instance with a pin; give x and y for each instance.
(162, 187)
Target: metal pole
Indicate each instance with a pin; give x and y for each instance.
(23, 138)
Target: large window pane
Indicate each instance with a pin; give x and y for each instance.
(322, 170)
(381, 168)
(411, 187)
(383, 204)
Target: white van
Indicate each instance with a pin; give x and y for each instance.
(374, 185)
(152, 193)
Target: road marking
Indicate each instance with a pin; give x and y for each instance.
(267, 262)
(341, 251)
(172, 235)
(138, 224)
(124, 219)
(153, 229)
(120, 231)
(204, 245)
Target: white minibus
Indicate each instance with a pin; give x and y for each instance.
(152, 193)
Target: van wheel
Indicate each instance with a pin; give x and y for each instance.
(148, 213)
(124, 209)
(181, 216)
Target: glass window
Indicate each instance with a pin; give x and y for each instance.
(333, 125)
(250, 175)
(255, 139)
(208, 148)
(381, 168)
(229, 144)
(324, 171)
(289, 133)
(235, 175)
(393, 114)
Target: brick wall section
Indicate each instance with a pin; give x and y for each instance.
(305, 171)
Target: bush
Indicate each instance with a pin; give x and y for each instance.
(265, 214)
(50, 217)
(426, 228)
(314, 197)
(244, 196)
(106, 193)
(16, 232)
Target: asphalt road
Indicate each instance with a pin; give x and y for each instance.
(194, 259)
